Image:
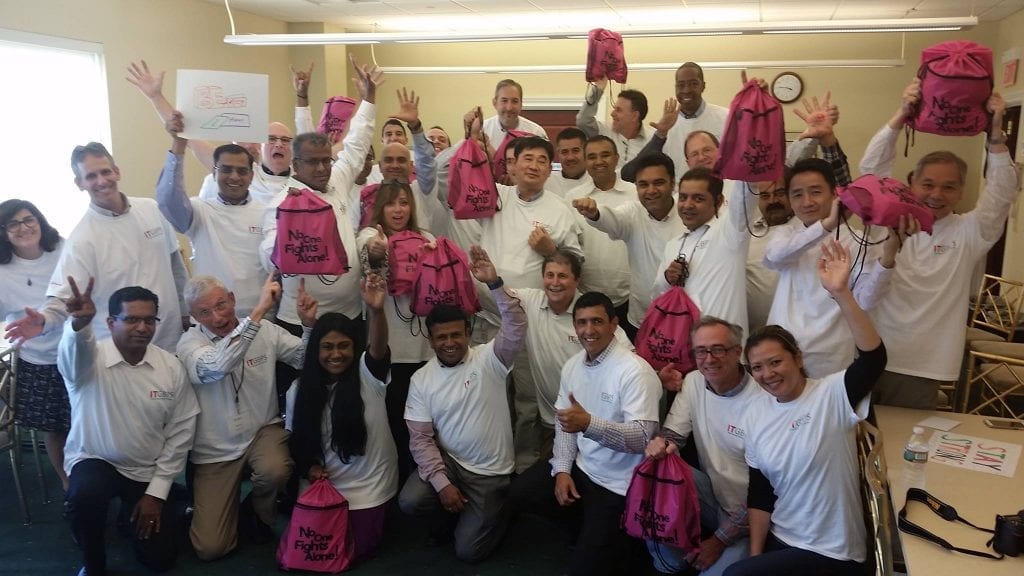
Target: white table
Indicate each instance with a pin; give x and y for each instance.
(977, 497)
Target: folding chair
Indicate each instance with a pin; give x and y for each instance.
(9, 437)
(875, 485)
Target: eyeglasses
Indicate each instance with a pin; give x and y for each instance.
(240, 170)
(136, 320)
(15, 225)
(715, 351)
(317, 162)
(279, 139)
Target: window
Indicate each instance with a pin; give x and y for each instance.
(54, 98)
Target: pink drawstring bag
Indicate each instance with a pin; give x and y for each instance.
(662, 504)
(881, 202)
(956, 82)
(605, 56)
(367, 200)
(337, 112)
(499, 153)
(471, 190)
(664, 335)
(308, 241)
(405, 249)
(753, 147)
(317, 538)
(444, 278)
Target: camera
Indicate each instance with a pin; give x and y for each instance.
(1009, 534)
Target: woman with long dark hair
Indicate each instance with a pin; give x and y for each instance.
(338, 419)
(29, 251)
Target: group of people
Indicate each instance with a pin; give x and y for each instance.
(537, 403)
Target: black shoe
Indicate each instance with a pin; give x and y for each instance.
(250, 524)
(442, 533)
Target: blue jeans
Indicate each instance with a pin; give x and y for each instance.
(671, 560)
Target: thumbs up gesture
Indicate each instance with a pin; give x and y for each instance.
(377, 247)
(574, 418)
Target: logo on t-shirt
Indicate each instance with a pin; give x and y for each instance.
(154, 232)
(800, 421)
(943, 248)
(254, 362)
(256, 230)
(735, 431)
(161, 395)
(606, 397)
(473, 377)
(572, 339)
(701, 245)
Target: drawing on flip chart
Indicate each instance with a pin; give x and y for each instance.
(223, 106)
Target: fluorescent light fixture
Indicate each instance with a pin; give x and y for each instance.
(730, 28)
(661, 66)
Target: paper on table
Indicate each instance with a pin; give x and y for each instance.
(974, 453)
(939, 423)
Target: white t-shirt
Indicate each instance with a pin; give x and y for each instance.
(561, 185)
(716, 423)
(807, 450)
(931, 283)
(761, 281)
(226, 245)
(371, 479)
(225, 428)
(407, 333)
(711, 119)
(645, 240)
(468, 406)
(717, 256)
(23, 284)
(133, 249)
(496, 134)
(804, 307)
(622, 388)
(606, 268)
(505, 235)
(140, 419)
(333, 293)
(550, 342)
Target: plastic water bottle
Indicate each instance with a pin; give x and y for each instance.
(915, 458)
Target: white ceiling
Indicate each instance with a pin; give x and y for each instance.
(409, 15)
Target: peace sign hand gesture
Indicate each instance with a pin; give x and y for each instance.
(80, 306)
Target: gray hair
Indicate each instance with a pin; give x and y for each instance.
(199, 286)
(735, 331)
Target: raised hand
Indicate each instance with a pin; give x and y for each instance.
(408, 106)
(761, 82)
(306, 305)
(80, 306)
(908, 226)
(830, 222)
(481, 265)
(300, 81)
(818, 118)
(473, 122)
(574, 418)
(910, 97)
(152, 85)
(834, 267)
(671, 378)
(541, 241)
(669, 115)
(368, 78)
(374, 291)
(587, 207)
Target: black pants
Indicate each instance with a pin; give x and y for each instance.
(93, 484)
(602, 547)
(780, 558)
(398, 391)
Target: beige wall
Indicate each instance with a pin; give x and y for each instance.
(168, 34)
(1010, 36)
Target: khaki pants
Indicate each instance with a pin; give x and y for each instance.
(214, 530)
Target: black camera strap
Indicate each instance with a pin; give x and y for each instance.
(947, 513)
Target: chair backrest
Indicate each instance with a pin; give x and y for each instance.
(8, 361)
(997, 306)
(875, 485)
(991, 380)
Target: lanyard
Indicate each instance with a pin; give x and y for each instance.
(238, 387)
(683, 259)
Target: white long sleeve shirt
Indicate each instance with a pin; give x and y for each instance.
(931, 284)
(606, 268)
(140, 419)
